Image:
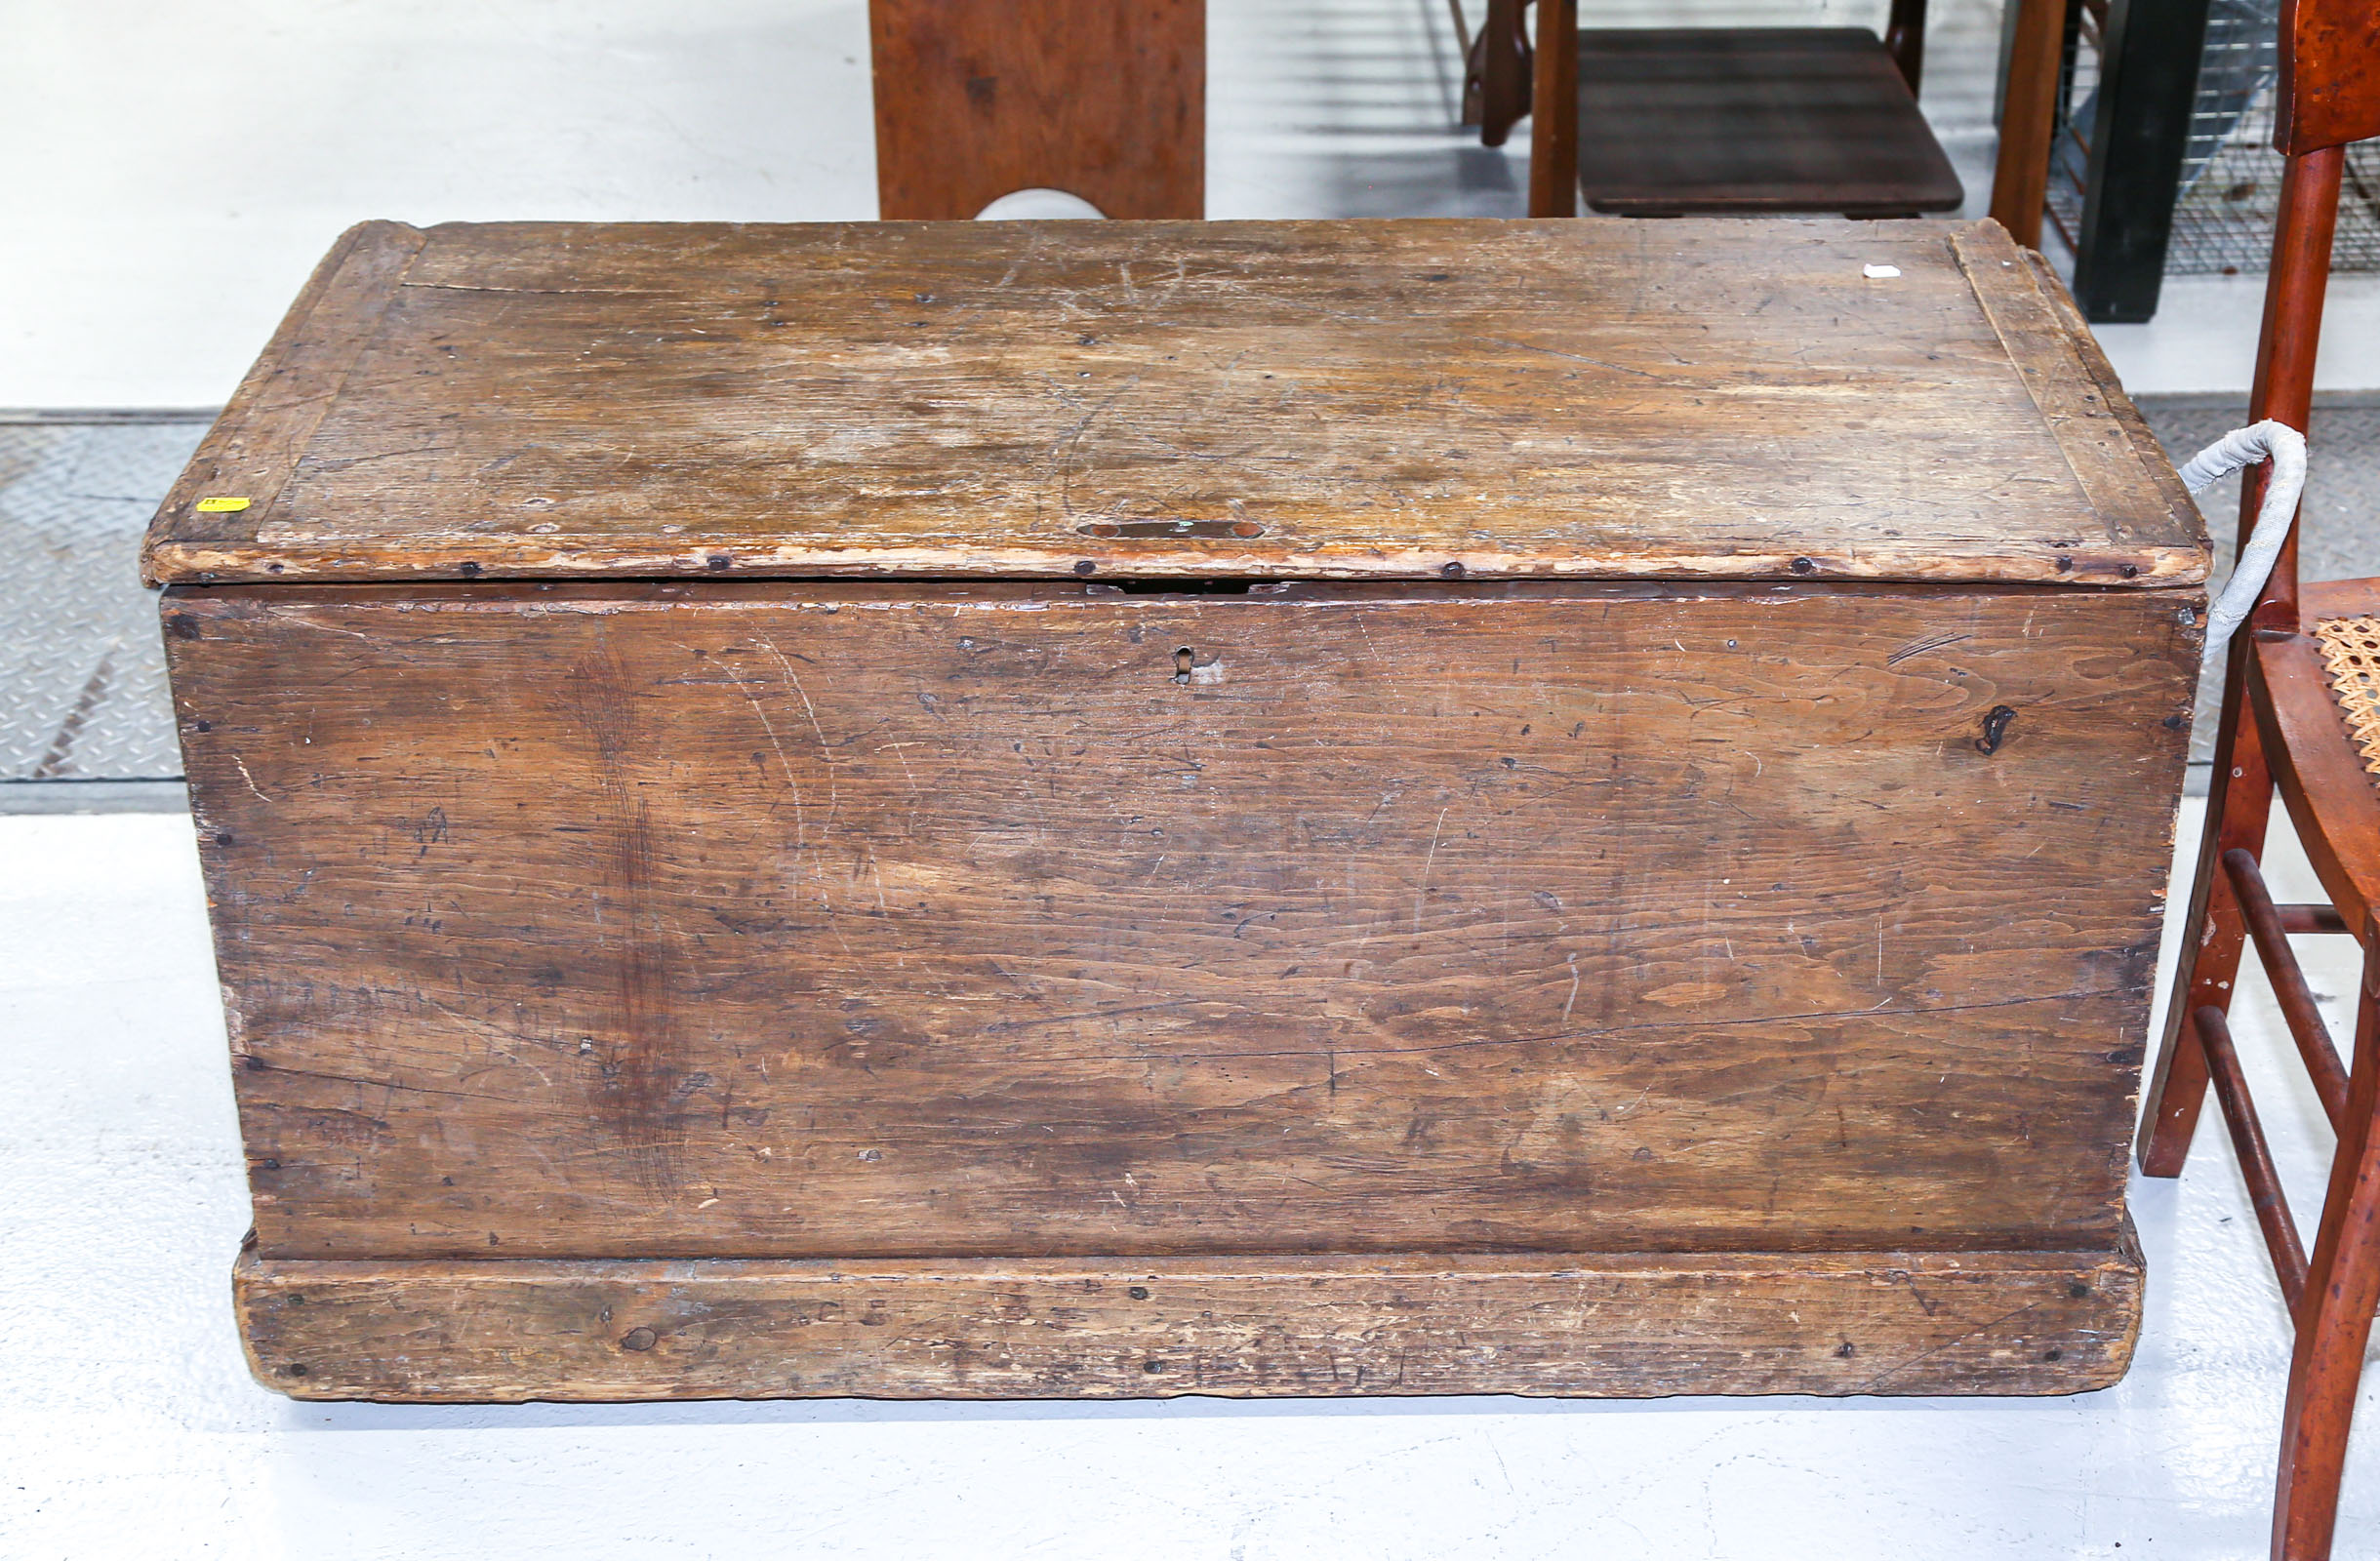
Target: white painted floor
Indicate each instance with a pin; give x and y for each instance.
(129, 1426)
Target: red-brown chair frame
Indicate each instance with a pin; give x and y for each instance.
(2280, 731)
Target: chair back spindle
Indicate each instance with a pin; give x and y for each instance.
(2329, 95)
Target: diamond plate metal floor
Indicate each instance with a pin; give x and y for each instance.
(82, 676)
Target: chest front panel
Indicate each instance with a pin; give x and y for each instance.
(781, 920)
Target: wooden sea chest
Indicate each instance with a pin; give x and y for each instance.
(1125, 809)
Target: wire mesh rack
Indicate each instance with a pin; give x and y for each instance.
(2078, 103)
(2230, 175)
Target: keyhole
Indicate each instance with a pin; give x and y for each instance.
(1182, 664)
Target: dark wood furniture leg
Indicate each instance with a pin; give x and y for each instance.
(1500, 59)
(1554, 138)
(1905, 40)
(2019, 181)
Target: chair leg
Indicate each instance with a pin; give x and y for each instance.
(2334, 1321)
(1500, 61)
(1553, 134)
(2238, 813)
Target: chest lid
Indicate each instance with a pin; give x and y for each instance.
(1711, 399)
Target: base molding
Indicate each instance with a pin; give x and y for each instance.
(1587, 1325)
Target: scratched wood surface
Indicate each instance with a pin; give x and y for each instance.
(1610, 1325)
(906, 920)
(1408, 399)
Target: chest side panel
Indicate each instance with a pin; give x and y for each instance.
(897, 921)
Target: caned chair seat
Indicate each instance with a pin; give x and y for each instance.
(2342, 619)
(2350, 654)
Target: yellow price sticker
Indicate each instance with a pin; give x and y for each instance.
(221, 506)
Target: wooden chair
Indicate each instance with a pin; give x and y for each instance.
(1733, 121)
(2294, 709)
(981, 98)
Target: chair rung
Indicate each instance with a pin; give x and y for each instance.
(2297, 1007)
(2309, 919)
(2255, 1155)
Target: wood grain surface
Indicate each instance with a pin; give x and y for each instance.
(910, 920)
(1617, 1326)
(1408, 399)
(2329, 89)
(1739, 120)
(978, 98)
